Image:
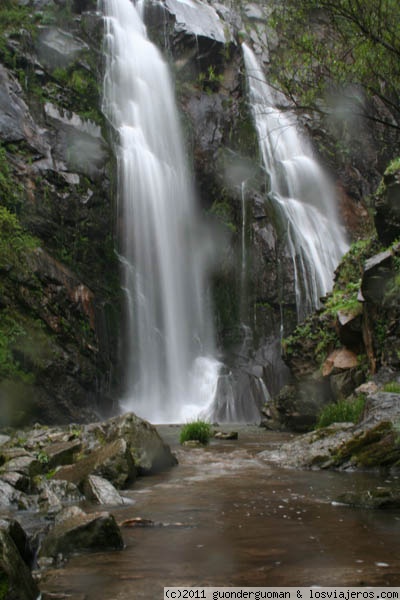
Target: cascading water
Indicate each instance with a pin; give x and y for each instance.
(301, 193)
(170, 372)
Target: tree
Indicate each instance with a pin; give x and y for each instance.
(346, 47)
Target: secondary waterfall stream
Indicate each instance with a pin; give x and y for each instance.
(170, 372)
(302, 195)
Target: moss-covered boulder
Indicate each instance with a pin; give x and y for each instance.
(373, 443)
(381, 497)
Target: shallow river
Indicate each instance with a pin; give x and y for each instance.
(231, 519)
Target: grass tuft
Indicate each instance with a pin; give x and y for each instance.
(392, 386)
(342, 411)
(199, 431)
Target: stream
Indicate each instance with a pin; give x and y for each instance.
(225, 517)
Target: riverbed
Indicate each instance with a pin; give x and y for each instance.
(226, 517)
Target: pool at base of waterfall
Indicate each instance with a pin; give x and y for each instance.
(226, 517)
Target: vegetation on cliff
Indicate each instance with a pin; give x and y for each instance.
(341, 50)
(355, 335)
(59, 275)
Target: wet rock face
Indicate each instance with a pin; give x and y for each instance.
(387, 206)
(56, 144)
(16, 123)
(211, 91)
(197, 20)
(54, 166)
(297, 406)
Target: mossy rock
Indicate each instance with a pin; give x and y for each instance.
(376, 447)
(380, 497)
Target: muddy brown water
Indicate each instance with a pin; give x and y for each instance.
(231, 519)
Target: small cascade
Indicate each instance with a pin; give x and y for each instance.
(243, 202)
(170, 372)
(243, 291)
(302, 195)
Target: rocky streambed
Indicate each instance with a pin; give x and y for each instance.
(48, 474)
(79, 520)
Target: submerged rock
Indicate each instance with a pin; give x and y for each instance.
(226, 435)
(55, 494)
(380, 497)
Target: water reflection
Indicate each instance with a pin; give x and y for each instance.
(243, 523)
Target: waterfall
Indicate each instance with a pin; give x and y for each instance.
(170, 372)
(302, 195)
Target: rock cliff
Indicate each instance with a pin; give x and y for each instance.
(60, 297)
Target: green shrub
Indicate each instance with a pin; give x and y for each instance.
(342, 411)
(199, 431)
(392, 386)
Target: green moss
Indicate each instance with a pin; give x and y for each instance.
(318, 332)
(15, 242)
(25, 345)
(394, 167)
(223, 210)
(4, 585)
(11, 193)
(209, 80)
(351, 266)
(244, 138)
(80, 90)
(345, 299)
(369, 448)
(43, 458)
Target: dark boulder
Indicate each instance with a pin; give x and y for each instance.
(15, 577)
(387, 205)
(76, 531)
